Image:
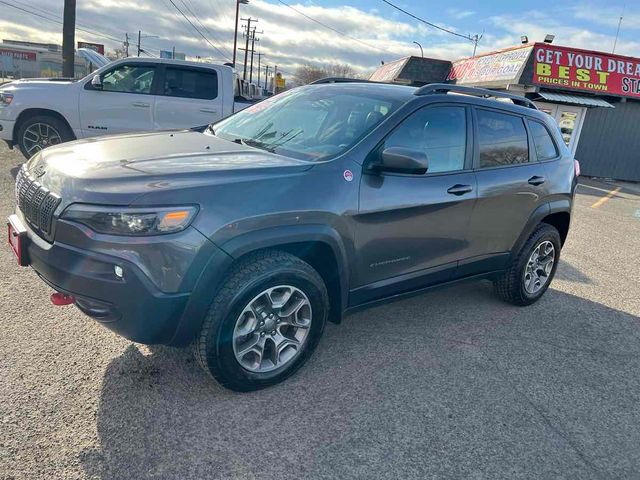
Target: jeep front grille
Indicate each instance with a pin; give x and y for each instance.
(36, 203)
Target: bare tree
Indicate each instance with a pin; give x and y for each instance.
(116, 54)
(309, 73)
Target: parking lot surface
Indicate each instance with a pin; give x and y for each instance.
(450, 384)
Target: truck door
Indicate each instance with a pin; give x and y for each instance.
(188, 97)
(124, 102)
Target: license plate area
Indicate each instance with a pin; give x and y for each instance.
(17, 238)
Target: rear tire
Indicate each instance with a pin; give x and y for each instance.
(243, 315)
(41, 131)
(526, 279)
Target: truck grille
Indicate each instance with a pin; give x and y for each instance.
(36, 203)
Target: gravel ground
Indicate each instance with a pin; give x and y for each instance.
(451, 384)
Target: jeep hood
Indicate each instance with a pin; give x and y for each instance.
(118, 169)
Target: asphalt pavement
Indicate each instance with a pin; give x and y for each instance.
(450, 384)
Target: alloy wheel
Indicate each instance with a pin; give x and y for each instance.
(272, 329)
(40, 136)
(539, 267)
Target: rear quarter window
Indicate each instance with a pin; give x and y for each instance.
(546, 148)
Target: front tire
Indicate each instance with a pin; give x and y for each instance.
(532, 268)
(41, 131)
(264, 322)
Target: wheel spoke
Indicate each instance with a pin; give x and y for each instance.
(539, 267)
(272, 328)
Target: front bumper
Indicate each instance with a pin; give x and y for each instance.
(130, 306)
(6, 130)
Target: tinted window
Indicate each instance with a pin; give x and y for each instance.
(189, 83)
(440, 132)
(502, 139)
(545, 146)
(128, 79)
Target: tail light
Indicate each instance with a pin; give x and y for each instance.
(576, 167)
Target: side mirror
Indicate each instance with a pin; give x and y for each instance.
(96, 82)
(402, 160)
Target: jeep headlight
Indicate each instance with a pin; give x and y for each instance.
(131, 221)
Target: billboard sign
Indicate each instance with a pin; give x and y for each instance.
(169, 54)
(595, 72)
(96, 47)
(18, 54)
(502, 67)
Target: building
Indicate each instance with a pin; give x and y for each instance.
(594, 97)
(35, 60)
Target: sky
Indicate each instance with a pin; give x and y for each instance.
(361, 33)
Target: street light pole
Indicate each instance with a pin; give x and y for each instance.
(235, 35)
(421, 52)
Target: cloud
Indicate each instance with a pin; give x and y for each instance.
(290, 39)
(459, 14)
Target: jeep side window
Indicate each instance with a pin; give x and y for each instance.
(190, 83)
(440, 132)
(502, 139)
(128, 79)
(545, 146)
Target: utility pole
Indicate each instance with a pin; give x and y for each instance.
(126, 44)
(275, 78)
(173, 53)
(266, 75)
(246, 46)
(235, 33)
(259, 56)
(253, 44)
(68, 38)
(139, 38)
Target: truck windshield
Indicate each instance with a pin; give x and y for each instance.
(309, 123)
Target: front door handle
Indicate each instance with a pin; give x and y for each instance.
(536, 180)
(459, 189)
(141, 104)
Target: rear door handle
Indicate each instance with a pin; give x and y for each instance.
(536, 180)
(208, 110)
(141, 104)
(459, 189)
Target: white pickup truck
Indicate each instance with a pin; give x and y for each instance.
(133, 94)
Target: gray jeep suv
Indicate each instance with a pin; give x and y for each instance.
(244, 238)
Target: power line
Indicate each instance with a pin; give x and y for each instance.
(467, 37)
(198, 30)
(335, 30)
(195, 17)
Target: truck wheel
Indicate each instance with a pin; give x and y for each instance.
(264, 322)
(41, 131)
(532, 268)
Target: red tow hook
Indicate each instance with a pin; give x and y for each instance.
(59, 299)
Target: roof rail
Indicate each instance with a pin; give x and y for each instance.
(433, 88)
(340, 80)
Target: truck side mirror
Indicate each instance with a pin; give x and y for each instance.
(96, 82)
(402, 160)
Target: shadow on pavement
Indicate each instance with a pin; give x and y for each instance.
(452, 383)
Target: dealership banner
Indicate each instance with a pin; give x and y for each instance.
(96, 47)
(501, 67)
(576, 69)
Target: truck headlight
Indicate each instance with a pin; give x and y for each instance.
(131, 221)
(5, 99)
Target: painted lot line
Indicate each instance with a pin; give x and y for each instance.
(606, 198)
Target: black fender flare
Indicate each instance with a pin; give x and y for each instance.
(219, 263)
(539, 214)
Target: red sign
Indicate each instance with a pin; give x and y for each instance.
(18, 54)
(98, 47)
(576, 69)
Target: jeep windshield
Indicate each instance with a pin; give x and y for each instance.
(313, 122)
